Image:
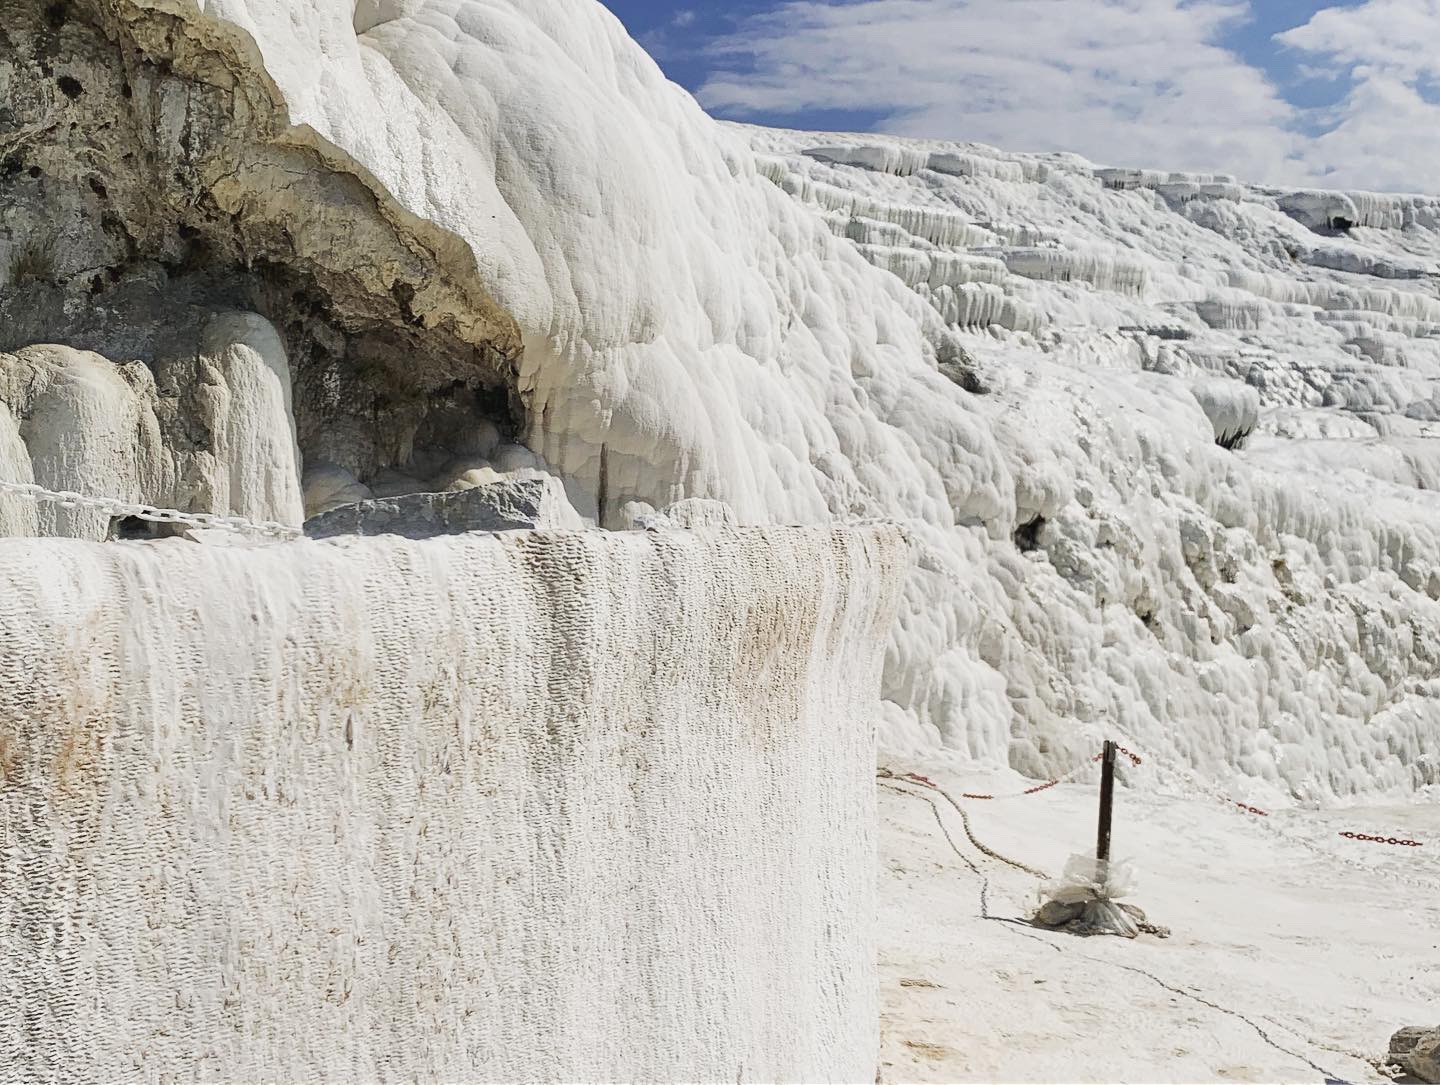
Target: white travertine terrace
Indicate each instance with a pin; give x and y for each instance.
(541, 807)
(1034, 379)
(586, 805)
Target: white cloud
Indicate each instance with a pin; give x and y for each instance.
(1384, 133)
(662, 44)
(1397, 35)
(1124, 82)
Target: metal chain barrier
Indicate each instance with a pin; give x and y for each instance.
(1196, 783)
(1046, 786)
(920, 781)
(1135, 759)
(1384, 840)
(1200, 785)
(1216, 792)
(66, 499)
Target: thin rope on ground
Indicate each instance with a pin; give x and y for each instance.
(1017, 926)
(888, 774)
(1216, 1006)
(945, 829)
(1379, 1065)
(1011, 925)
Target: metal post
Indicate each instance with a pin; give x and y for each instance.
(1107, 797)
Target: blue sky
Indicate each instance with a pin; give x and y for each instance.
(1289, 91)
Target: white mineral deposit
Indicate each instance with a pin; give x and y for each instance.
(811, 453)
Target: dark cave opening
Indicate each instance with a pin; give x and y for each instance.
(124, 243)
(1027, 535)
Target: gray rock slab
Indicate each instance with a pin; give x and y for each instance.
(1416, 1050)
(513, 505)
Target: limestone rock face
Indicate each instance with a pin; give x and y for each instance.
(196, 295)
(691, 514)
(210, 430)
(1424, 1061)
(80, 423)
(566, 806)
(478, 225)
(513, 504)
(1011, 354)
(257, 462)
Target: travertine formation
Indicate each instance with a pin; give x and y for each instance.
(552, 807)
(1163, 442)
(211, 432)
(597, 806)
(159, 209)
(512, 505)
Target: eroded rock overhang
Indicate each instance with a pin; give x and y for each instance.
(150, 182)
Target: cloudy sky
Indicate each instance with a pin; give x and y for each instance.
(1286, 91)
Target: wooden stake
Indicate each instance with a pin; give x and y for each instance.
(1107, 798)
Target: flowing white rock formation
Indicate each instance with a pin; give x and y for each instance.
(532, 807)
(1028, 360)
(86, 423)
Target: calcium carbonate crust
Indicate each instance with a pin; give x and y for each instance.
(1160, 441)
(538, 806)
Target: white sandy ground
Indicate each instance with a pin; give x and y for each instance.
(1325, 957)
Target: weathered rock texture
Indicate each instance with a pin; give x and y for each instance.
(1028, 359)
(1011, 353)
(578, 806)
(1416, 1050)
(511, 505)
(151, 184)
(213, 433)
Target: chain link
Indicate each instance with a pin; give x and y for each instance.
(1133, 756)
(1384, 840)
(1046, 786)
(67, 499)
(1197, 783)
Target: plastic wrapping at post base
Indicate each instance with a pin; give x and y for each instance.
(1091, 887)
(1089, 878)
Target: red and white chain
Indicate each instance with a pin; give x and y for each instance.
(1384, 840)
(1196, 783)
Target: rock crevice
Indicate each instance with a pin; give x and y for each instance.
(151, 184)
